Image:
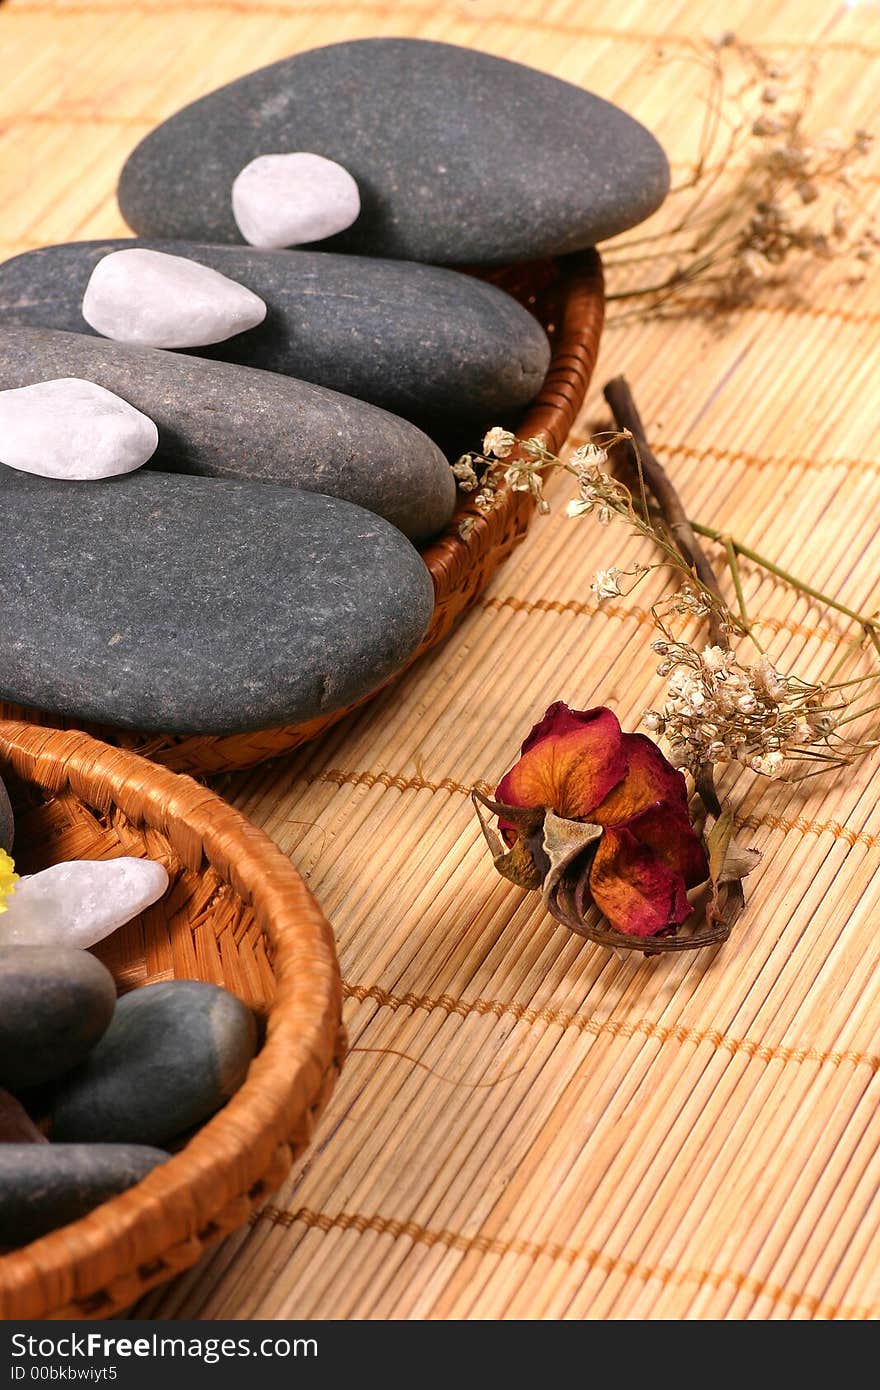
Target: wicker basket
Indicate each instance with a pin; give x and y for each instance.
(568, 297)
(237, 914)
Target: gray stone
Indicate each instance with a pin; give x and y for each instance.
(419, 340)
(55, 1003)
(16, 1125)
(44, 1186)
(174, 1053)
(224, 421)
(7, 821)
(157, 601)
(460, 157)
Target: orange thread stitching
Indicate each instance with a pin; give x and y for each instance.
(811, 827)
(611, 1027)
(641, 615)
(62, 117)
(532, 1250)
(809, 311)
(713, 454)
(338, 777)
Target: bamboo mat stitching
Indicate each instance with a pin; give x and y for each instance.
(616, 1028)
(593, 1259)
(406, 783)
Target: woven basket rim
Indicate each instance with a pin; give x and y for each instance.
(233, 1150)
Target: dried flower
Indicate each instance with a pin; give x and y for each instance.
(765, 199)
(589, 455)
(465, 473)
(719, 709)
(689, 602)
(499, 443)
(590, 815)
(8, 878)
(606, 583)
(578, 506)
(610, 815)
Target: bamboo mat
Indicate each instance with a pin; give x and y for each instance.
(537, 1128)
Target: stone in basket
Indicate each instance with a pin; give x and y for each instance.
(237, 914)
(567, 297)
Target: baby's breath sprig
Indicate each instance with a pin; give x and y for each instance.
(765, 202)
(718, 708)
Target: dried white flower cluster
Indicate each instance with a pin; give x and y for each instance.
(499, 443)
(598, 493)
(718, 709)
(766, 198)
(721, 710)
(518, 464)
(484, 473)
(606, 583)
(689, 602)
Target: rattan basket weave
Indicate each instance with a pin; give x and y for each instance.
(568, 297)
(238, 914)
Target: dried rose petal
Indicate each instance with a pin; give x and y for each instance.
(582, 767)
(569, 763)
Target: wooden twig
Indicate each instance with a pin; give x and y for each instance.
(642, 459)
(626, 416)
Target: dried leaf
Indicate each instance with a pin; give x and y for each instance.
(718, 842)
(729, 861)
(564, 841)
(525, 863)
(729, 864)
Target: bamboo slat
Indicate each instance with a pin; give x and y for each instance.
(534, 1127)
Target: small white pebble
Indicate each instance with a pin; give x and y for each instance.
(152, 299)
(80, 902)
(283, 200)
(73, 429)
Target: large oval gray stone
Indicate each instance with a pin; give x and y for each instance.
(174, 1053)
(55, 1003)
(419, 340)
(459, 156)
(44, 1186)
(224, 421)
(159, 601)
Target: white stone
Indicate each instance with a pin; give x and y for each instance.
(81, 902)
(69, 428)
(155, 300)
(283, 200)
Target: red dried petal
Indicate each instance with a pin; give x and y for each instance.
(650, 781)
(638, 893)
(668, 832)
(570, 762)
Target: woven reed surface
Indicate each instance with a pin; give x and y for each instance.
(235, 914)
(596, 1137)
